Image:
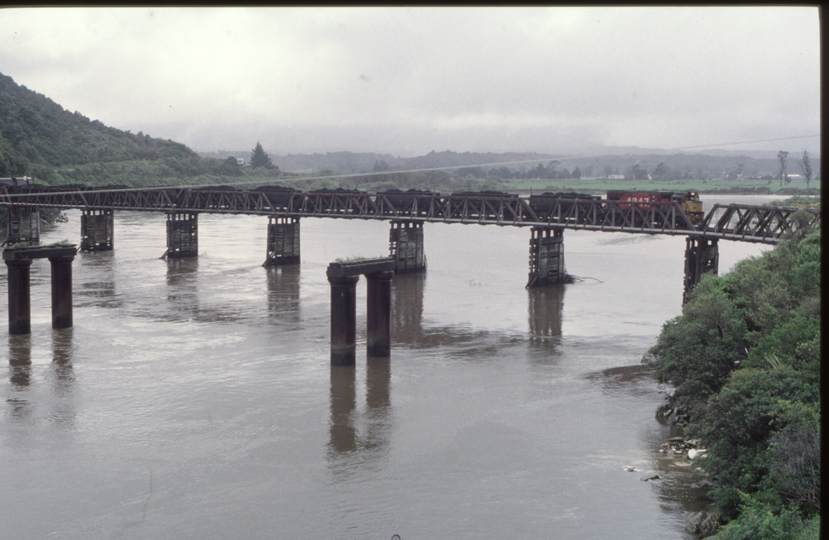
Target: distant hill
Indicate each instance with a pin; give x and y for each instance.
(39, 138)
(694, 165)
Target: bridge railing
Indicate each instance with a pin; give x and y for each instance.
(757, 223)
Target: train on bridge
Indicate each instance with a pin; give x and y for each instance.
(648, 212)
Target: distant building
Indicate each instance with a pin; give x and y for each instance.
(615, 176)
(240, 161)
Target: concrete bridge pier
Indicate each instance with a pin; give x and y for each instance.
(283, 241)
(343, 277)
(97, 230)
(20, 311)
(62, 291)
(378, 314)
(702, 255)
(546, 257)
(19, 262)
(22, 225)
(182, 235)
(406, 246)
(343, 319)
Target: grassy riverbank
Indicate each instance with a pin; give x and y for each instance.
(745, 359)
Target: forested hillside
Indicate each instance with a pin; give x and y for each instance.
(745, 360)
(39, 138)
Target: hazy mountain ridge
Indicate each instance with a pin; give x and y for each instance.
(698, 164)
(41, 139)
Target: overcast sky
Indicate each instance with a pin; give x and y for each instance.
(410, 80)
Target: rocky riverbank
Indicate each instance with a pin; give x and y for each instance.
(707, 522)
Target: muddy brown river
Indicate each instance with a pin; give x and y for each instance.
(193, 399)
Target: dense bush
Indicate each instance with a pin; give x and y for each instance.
(745, 359)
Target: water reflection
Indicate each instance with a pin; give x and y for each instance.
(344, 436)
(378, 402)
(407, 322)
(407, 308)
(283, 292)
(182, 281)
(62, 376)
(100, 292)
(545, 305)
(20, 373)
(62, 350)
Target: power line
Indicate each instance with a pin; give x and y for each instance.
(745, 142)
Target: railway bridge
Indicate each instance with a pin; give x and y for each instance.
(547, 217)
(407, 212)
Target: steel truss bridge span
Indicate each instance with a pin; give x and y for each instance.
(748, 223)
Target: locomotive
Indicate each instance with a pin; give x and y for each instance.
(687, 200)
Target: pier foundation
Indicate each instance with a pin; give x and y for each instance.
(20, 311)
(97, 230)
(283, 241)
(182, 235)
(378, 314)
(343, 320)
(62, 291)
(406, 246)
(343, 277)
(19, 262)
(546, 257)
(702, 255)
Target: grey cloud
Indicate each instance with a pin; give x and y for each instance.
(406, 79)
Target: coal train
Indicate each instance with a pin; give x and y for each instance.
(688, 201)
(419, 203)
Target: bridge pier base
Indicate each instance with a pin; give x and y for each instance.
(378, 314)
(546, 257)
(343, 320)
(19, 262)
(20, 311)
(406, 246)
(182, 235)
(701, 256)
(62, 291)
(283, 241)
(96, 230)
(22, 225)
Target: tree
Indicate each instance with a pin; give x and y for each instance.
(637, 172)
(661, 172)
(806, 167)
(576, 174)
(783, 158)
(258, 158)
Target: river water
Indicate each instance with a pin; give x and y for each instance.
(194, 399)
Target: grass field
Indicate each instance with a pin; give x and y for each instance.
(715, 184)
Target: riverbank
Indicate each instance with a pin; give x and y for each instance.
(744, 358)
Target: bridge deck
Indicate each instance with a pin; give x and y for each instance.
(766, 224)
